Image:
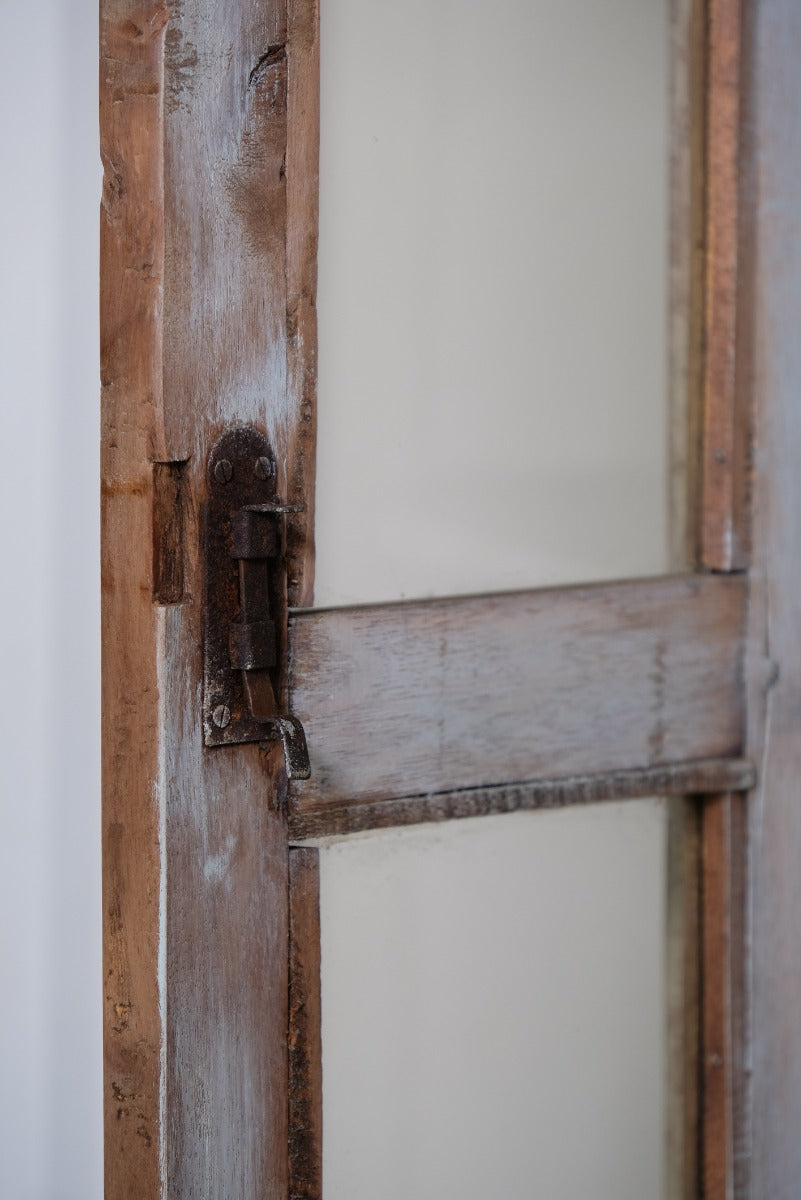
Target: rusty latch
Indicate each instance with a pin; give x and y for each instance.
(245, 587)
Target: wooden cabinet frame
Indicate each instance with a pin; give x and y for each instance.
(209, 123)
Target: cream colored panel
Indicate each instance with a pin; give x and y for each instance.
(494, 1008)
(492, 295)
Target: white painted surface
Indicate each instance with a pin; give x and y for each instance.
(50, 996)
(493, 414)
(492, 295)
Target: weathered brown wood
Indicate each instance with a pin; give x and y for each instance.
(404, 699)
(303, 141)
(169, 542)
(132, 270)
(724, 530)
(305, 1032)
(717, 1045)
(194, 314)
(723, 1077)
(723, 520)
(676, 780)
(769, 364)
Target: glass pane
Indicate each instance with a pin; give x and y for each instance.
(493, 295)
(494, 1008)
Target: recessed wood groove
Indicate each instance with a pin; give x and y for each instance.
(701, 777)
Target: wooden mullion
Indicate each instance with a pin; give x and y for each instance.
(305, 1030)
(723, 543)
(305, 1098)
(722, 529)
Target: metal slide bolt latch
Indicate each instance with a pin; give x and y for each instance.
(245, 586)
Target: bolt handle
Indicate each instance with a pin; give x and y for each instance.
(293, 743)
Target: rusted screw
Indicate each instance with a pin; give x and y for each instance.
(223, 471)
(263, 467)
(221, 716)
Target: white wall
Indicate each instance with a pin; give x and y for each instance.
(50, 989)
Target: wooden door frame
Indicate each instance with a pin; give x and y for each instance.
(209, 131)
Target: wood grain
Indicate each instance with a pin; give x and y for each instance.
(303, 154)
(716, 999)
(405, 699)
(194, 331)
(771, 369)
(132, 268)
(679, 780)
(305, 1031)
(723, 523)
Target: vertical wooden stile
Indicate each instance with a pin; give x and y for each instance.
(132, 276)
(198, 275)
(722, 543)
(723, 524)
(305, 1030)
(303, 142)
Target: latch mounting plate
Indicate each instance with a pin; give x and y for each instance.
(245, 600)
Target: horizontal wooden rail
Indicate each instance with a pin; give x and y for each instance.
(701, 777)
(481, 692)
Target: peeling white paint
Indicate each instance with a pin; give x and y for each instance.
(216, 866)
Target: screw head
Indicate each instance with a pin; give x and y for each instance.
(263, 467)
(223, 471)
(221, 716)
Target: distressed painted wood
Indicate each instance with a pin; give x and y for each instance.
(770, 364)
(407, 699)
(302, 156)
(723, 518)
(196, 277)
(305, 1033)
(688, 778)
